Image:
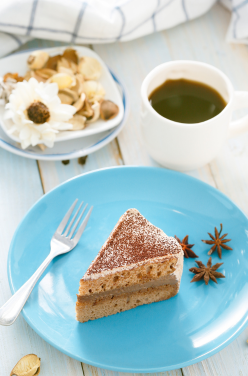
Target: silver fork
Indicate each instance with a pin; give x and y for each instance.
(61, 243)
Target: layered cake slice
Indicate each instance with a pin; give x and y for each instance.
(138, 264)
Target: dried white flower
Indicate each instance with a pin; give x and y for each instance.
(6, 89)
(37, 113)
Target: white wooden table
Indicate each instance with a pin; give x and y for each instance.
(23, 181)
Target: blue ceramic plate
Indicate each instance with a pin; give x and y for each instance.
(190, 327)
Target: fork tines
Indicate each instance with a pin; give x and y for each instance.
(74, 221)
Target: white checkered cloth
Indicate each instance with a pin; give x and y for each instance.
(104, 21)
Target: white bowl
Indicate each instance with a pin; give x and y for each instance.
(18, 63)
(73, 148)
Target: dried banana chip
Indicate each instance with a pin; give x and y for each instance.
(80, 102)
(64, 64)
(29, 365)
(32, 73)
(78, 122)
(68, 96)
(96, 108)
(63, 80)
(65, 98)
(71, 55)
(45, 73)
(65, 70)
(80, 78)
(37, 59)
(52, 62)
(108, 110)
(28, 75)
(78, 87)
(90, 68)
(94, 91)
(86, 110)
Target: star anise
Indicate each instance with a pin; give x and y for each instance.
(186, 247)
(206, 272)
(218, 242)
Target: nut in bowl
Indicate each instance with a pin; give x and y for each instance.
(57, 94)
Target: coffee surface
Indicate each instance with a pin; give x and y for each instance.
(186, 101)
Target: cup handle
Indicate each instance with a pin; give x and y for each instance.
(241, 125)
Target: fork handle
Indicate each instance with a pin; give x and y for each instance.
(12, 308)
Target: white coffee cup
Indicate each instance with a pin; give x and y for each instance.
(182, 146)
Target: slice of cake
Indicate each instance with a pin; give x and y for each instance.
(138, 264)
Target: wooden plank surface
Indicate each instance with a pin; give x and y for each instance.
(202, 39)
(20, 188)
(54, 173)
(93, 371)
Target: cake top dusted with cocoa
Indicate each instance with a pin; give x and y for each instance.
(134, 239)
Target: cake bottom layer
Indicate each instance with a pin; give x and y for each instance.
(91, 310)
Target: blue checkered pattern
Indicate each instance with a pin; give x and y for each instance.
(104, 21)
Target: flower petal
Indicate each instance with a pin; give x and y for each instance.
(25, 133)
(30, 133)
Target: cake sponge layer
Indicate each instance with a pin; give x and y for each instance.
(124, 290)
(91, 310)
(133, 275)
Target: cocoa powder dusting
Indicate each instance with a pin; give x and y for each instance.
(133, 240)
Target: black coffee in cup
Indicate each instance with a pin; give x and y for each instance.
(186, 101)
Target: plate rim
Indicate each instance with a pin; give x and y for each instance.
(200, 358)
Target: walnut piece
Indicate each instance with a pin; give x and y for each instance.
(108, 110)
